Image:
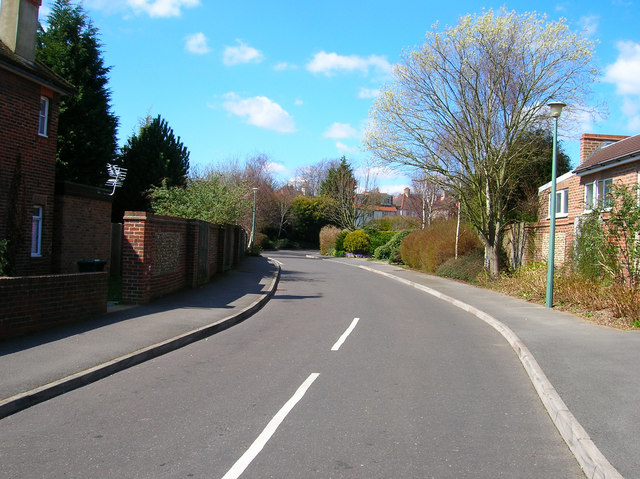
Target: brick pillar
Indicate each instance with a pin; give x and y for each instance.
(590, 142)
(137, 257)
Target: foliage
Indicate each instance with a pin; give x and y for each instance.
(461, 106)
(209, 199)
(427, 249)
(86, 125)
(357, 242)
(153, 157)
(340, 241)
(393, 223)
(388, 250)
(340, 188)
(607, 244)
(464, 268)
(308, 218)
(378, 238)
(328, 236)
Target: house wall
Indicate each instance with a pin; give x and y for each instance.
(162, 254)
(566, 226)
(82, 226)
(27, 160)
(29, 303)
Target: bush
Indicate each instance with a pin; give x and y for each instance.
(378, 239)
(391, 249)
(328, 237)
(427, 249)
(340, 240)
(464, 268)
(357, 242)
(393, 223)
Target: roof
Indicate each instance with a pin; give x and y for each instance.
(37, 71)
(611, 155)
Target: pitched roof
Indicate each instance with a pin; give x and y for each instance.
(37, 71)
(611, 155)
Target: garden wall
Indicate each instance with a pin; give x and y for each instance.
(162, 254)
(29, 303)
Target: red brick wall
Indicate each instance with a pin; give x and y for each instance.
(590, 142)
(19, 139)
(82, 226)
(29, 303)
(160, 254)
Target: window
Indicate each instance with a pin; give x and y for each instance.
(36, 231)
(44, 116)
(596, 194)
(562, 203)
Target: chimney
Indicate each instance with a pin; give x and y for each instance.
(407, 192)
(18, 26)
(591, 142)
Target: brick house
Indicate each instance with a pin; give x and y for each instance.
(604, 160)
(30, 95)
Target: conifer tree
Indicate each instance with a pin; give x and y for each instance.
(153, 157)
(86, 125)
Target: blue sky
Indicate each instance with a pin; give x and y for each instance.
(295, 79)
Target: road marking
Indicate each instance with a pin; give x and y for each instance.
(345, 335)
(255, 448)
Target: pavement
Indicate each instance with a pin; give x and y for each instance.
(586, 375)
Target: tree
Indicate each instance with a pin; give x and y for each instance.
(340, 189)
(309, 179)
(86, 126)
(211, 198)
(153, 157)
(460, 104)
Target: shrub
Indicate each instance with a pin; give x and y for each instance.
(392, 247)
(328, 236)
(357, 242)
(427, 249)
(340, 240)
(378, 239)
(394, 223)
(464, 268)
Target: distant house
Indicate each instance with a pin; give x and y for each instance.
(373, 205)
(604, 160)
(435, 206)
(30, 94)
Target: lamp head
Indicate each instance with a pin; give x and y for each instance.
(556, 108)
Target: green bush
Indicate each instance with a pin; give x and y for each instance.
(393, 223)
(464, 268)
(357, 242)
(389, 250)
(340, 240)
(427, 249)
(378, 239)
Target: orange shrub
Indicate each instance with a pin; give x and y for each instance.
(427, 249)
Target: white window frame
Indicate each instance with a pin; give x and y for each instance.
(595, 192)
(43, 116)
(562, 203)
(36, 231)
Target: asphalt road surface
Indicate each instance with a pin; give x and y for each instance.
(343, 374)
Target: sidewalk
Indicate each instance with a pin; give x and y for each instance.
(42, 365)
(594, 369)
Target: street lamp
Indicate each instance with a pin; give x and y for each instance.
(556, 110)
(253, 221)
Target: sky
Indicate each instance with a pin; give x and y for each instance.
(295, 79)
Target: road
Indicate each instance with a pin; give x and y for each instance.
(343, 374)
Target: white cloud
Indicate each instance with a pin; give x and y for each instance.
(162, 8)
(197, 43)
(625, 71)
(298, 102)
(260, 111)
(368, 93)
(340, 130)
(589, 24)
(342, 148)
(277, 168)
(329, 63)
(284, 66)
(242, 53)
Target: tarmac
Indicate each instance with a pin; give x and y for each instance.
(586, 375)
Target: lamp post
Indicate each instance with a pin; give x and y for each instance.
(556, 110)
(253, 221)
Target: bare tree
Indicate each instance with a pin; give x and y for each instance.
(460, 105)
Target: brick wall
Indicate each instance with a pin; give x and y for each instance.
(29, 303)
(161, 254)
(590, 142)
(33, 156)
(82, 226)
